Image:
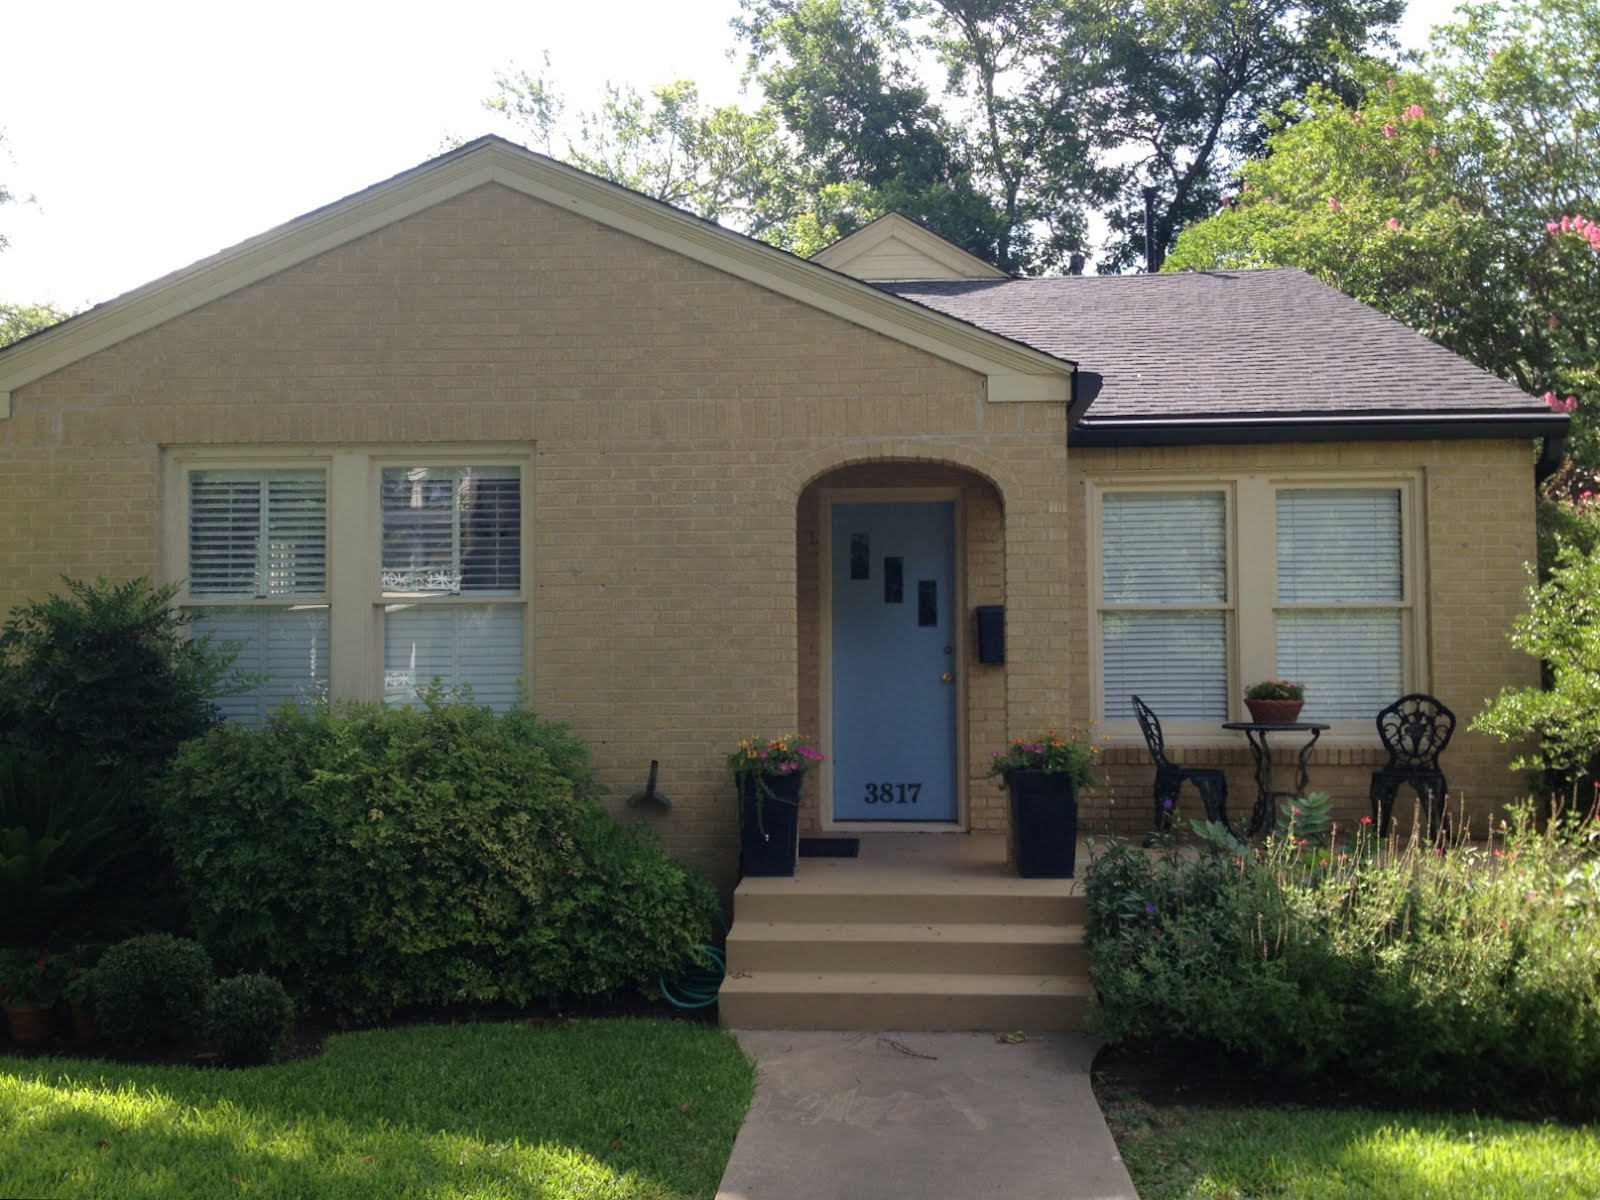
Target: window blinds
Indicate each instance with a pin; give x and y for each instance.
(286, 648)
(479, 646)
(257, 534)
(452, 531)
(1161, 552)
(1341, 548)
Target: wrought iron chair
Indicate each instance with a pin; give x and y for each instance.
(1211, 783)
(1415, 730)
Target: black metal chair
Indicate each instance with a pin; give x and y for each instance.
(1415, 730)
(1211, 783)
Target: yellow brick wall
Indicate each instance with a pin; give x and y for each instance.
(683, 421)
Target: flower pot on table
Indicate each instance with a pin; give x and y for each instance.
(1274, 712)
(1044, 823)
(769, 823)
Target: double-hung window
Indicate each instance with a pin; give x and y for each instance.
(452, 582)
(1205, 588)
(258, 578)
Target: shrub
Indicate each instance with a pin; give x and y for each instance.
(107, 670)
(151, 988)
(377, 858)
(1472, 977)
(68, 845)
(248, 1017)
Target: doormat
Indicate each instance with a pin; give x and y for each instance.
(829, 847)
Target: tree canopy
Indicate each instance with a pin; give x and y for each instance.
(1455, 199)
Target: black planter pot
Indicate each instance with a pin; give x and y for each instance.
(1044, 822)
(769, 820)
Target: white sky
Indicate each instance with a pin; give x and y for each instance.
(152, 135)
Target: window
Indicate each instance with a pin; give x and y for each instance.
(258, 570)
(452, 582)
(1205, 588)
(353, 576)
(1164, 602)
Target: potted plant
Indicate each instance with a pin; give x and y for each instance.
(768, 773)
(1275, 701)
(30, 989)
(1043, 775)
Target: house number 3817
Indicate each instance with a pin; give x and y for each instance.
(893, 793)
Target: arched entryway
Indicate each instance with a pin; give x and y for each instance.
(892, 558)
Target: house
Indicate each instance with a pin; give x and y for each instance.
(503, 423)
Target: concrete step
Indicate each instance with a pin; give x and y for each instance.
(967, 948)
(932, 1002)
(1046, 902)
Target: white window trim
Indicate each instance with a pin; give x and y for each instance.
(1251, 547)
(355, 530)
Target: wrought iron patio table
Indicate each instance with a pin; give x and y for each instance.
(1264, 816)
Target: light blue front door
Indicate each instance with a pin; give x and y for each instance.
(894, 662)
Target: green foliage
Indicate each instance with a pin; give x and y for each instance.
(68, 845)
(378, 858)
(32, 976)
(248, 1017)
(592, 1110)
(1075, 756)
(17, 321)
(1561, 630)
(107, 671)
(1467, 977)
(1275, 689)
(151, 988)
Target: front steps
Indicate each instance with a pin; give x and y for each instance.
(934, 935)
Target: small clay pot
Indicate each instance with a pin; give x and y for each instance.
(1274, 712)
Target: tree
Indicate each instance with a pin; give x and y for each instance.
(1451, 201)
(17, 321)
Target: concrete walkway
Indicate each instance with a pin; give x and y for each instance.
(924, 1116)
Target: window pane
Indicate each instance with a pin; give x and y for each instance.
(452, 530)
(288, 647)
(256, 534)
(1164, 547)
(1339, 544)
(1349, 660)
(476, 646)
(1177, 662)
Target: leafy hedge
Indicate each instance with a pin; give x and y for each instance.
(1467, 978)
(377, 858)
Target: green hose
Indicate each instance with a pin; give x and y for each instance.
(699, 986)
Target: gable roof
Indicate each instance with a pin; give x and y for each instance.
(1014, 372)
(894, 247)
(1240, 356)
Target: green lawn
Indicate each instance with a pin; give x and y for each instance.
(613, 1109)
(1343, 1154)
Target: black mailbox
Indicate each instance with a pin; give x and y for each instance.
(991, 633)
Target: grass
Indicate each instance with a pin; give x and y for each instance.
(1184, 1153)
(608, 1110)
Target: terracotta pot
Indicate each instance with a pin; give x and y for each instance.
(29, 1023)
(1274, 712)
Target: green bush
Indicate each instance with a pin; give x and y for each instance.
(248, 1018)
(1471, 977)
(376, 858)
(107, 671)
(68, 847)
(151, 988)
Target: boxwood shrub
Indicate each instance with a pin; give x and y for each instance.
(151, 988)
(247, 1018)
(377, 858)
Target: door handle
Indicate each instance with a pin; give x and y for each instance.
(947, 677)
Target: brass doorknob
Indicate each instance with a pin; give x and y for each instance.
(947, 677)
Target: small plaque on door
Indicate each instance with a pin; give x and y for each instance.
(894, 580)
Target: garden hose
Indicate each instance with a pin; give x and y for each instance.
(698, 986)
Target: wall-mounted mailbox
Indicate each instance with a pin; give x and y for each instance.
(991, 633)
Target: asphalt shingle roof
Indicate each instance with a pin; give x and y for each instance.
(1235, 344)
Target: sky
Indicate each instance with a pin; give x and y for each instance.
(148, 136)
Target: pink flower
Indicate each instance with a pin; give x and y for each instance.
(1366, 820)
(1572, 404)
(1394, 223)
(1553, 226)
(1333, 204)
(1389, 131)
(1414, 112)
(813, 754)
(1553, 321)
